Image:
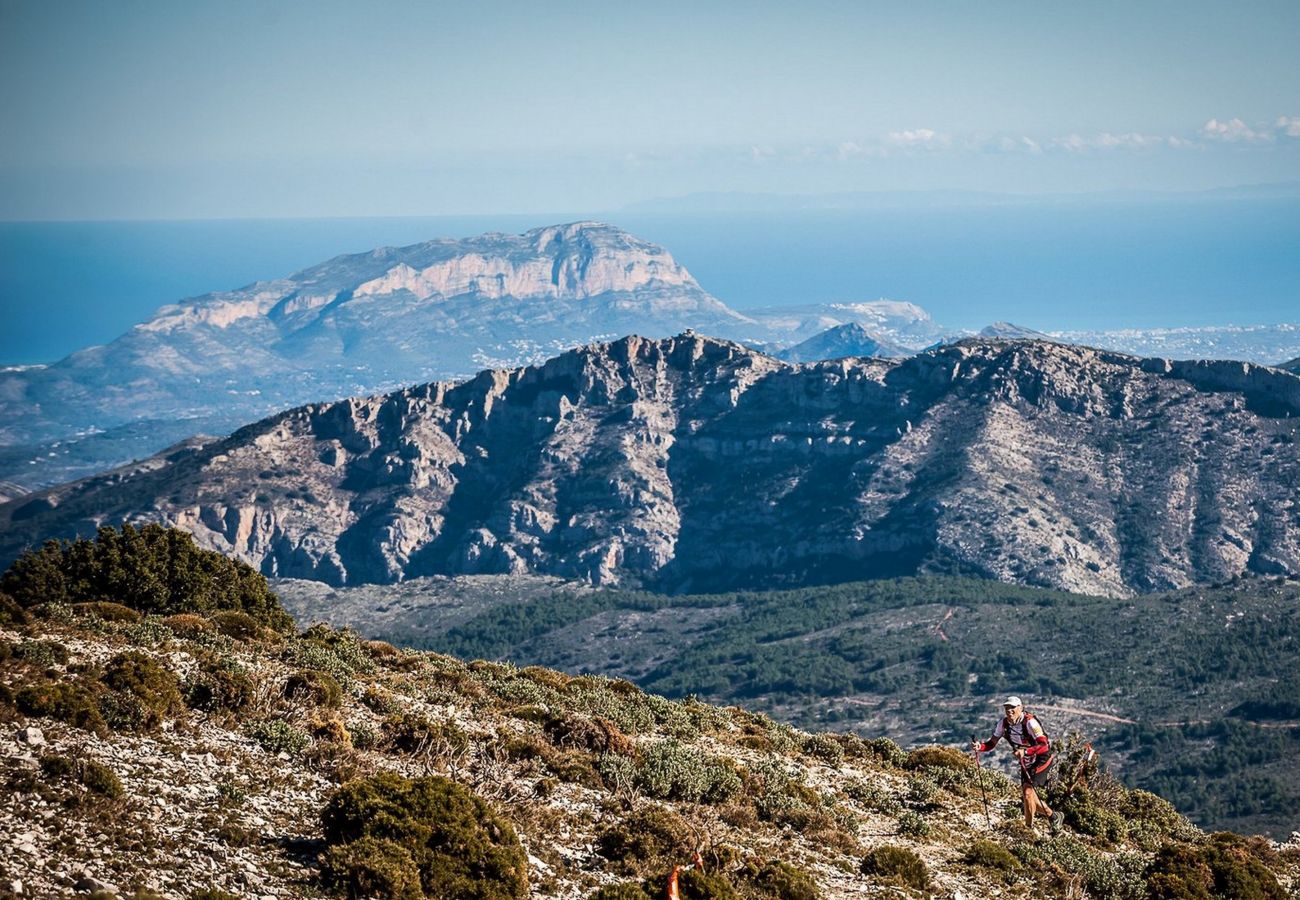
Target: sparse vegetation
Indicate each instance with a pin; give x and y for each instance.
(896, 865)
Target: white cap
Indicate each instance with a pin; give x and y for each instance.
(1011, 701)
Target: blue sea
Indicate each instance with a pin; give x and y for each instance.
(1083, 264)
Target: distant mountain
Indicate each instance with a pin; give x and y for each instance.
(1291, 365)
(851, 339)
(357, 324)
(693, 463)
(905, 324)
(1010, 332)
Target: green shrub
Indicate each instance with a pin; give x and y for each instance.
(373, 867)
(911, 824)
(317, 688)
(896, 865)
(42, 654)
(219, 685)
(1222, 867)
(645, 840)
(823, 747)
(95, 776)
(339, 652)
(921, 789)
(141, 692)
(363, 735)
(74, 702)
(56, 767)
(784, 882)
(1105, 877)
(99, 778)
(887, 752)
(938, 758)
(671, 770)
(278, 736)
(459, 846)
(150, 569)
(990, 855)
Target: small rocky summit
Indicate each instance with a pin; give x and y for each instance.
(197, 746)
(695, 463)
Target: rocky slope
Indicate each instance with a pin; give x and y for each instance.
(208, 773)
(696, 463)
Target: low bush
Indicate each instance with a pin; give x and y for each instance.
(141, 692)
(220, 684)
(74, 702)
(236, 624)
(911, 824)
(1117, 877)
(1222, 867)
(693, 884)
(783, 881)
(647, 839)
(316, 688)
(278, 736)
(42, 654)
(459, 847)
(671, 770)
(823, 747)
(887, 752)
(410, 733)
(896, 865)
(94, 776)
(595, 734)
(373, 867)
(989, 855)
(107, 611)
(188, 625)
(874, 797)
(938, 758)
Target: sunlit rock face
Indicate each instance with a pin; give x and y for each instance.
(695, 463)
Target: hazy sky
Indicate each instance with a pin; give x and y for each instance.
(144, 109)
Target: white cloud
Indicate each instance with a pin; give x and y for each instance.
(1288, 126)
(1234, 131)
(918, 139)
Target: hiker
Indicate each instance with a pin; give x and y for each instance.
(1033, 751)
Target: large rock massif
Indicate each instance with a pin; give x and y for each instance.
(695, 463)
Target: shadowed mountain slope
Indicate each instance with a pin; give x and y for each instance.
(693, 463)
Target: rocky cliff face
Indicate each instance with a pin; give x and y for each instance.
(696, 463)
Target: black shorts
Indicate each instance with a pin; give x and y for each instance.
(1038, 772)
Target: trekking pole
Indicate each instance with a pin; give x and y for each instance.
(979, 776)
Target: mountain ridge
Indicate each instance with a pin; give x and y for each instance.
(691, 463)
